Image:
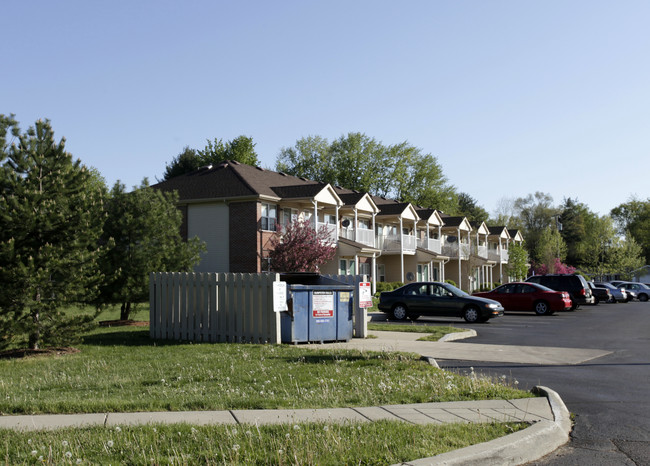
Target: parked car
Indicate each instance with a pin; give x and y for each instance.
(529, 297)
(600, 293)
(618, 295)
(437, 299)
(575, 285)
(641, 290)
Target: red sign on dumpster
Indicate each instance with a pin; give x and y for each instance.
(323, 304)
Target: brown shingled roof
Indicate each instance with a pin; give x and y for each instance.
(233, 179)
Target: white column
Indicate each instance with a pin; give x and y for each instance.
(401, 248)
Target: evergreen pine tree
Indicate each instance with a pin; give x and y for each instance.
(51, 220)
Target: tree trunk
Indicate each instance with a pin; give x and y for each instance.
(125, 311)
(35, 333)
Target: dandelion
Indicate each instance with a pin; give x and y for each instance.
(296, 427)
(326, 428)
(118, 429)
(155, 430)
(162, 380)
(34, 452)
(79, 461)
(68, 454)
(280, 452)
(65, 443)
(193, 430)
(249, 433)
(235, 447)
(109, 444)
(29, 441)
(287, 436)
(40, 458)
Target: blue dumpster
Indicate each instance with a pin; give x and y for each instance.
(320, 309)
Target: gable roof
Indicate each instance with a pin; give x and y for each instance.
(230, 179)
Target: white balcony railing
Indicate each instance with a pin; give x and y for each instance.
(331, 230)
(430, 244)
(498, 257)
(361, 235)
(393, 243)
(480, 251)
(455, 251)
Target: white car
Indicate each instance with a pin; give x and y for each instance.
(641, 290)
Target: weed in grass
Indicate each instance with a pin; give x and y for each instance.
(305, 443)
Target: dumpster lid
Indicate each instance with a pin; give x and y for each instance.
(308, 278)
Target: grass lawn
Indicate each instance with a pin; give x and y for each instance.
(436, 332)
(310, 444)
(120, 369)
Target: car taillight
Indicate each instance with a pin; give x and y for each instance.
(583, 292)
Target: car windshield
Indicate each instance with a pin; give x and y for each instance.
(607, 285)
(453, 290)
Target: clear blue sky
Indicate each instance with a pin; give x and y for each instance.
(512, 97)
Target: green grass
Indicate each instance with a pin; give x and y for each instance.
(306, 443)
(120, 369)
(436, 331)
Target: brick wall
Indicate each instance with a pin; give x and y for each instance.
(244, 237)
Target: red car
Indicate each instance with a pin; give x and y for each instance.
(529, 297)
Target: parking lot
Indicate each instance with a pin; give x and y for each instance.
(608, 395)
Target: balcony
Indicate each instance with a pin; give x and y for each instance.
(393, 243)
(331, 230)
(480, 251)
(361, 235)
(456, 251)
(495, 256)
(430, 244)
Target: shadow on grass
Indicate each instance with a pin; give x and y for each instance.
(126, 338)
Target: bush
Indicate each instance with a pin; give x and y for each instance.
(451, 282)
(387, 286)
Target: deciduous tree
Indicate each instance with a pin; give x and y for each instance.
(301, 248)
(240, 149)
(143, 227)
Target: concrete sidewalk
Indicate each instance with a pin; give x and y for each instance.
(450, 348)
(520, 410)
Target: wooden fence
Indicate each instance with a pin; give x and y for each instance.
(224, 307)
(213, 307)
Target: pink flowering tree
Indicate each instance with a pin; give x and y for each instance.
(555, 266)
(301, 248)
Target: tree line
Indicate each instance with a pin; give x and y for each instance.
(558, 238)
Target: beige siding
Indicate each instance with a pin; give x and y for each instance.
(210, 223)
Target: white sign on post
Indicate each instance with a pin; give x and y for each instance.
(365, 295)
(280, 296)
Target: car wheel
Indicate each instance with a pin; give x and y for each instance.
(542, 308)
(596, 300)
(574, 305)
(643, 297)
(399, 312)
(471, 315)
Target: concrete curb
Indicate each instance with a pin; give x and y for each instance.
(458, 335)
(522, 447)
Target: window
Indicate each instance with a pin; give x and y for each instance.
(329, 219)
(289, 216)
(269, 214)
(381, 273)
(364, 224)
(346, 267)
